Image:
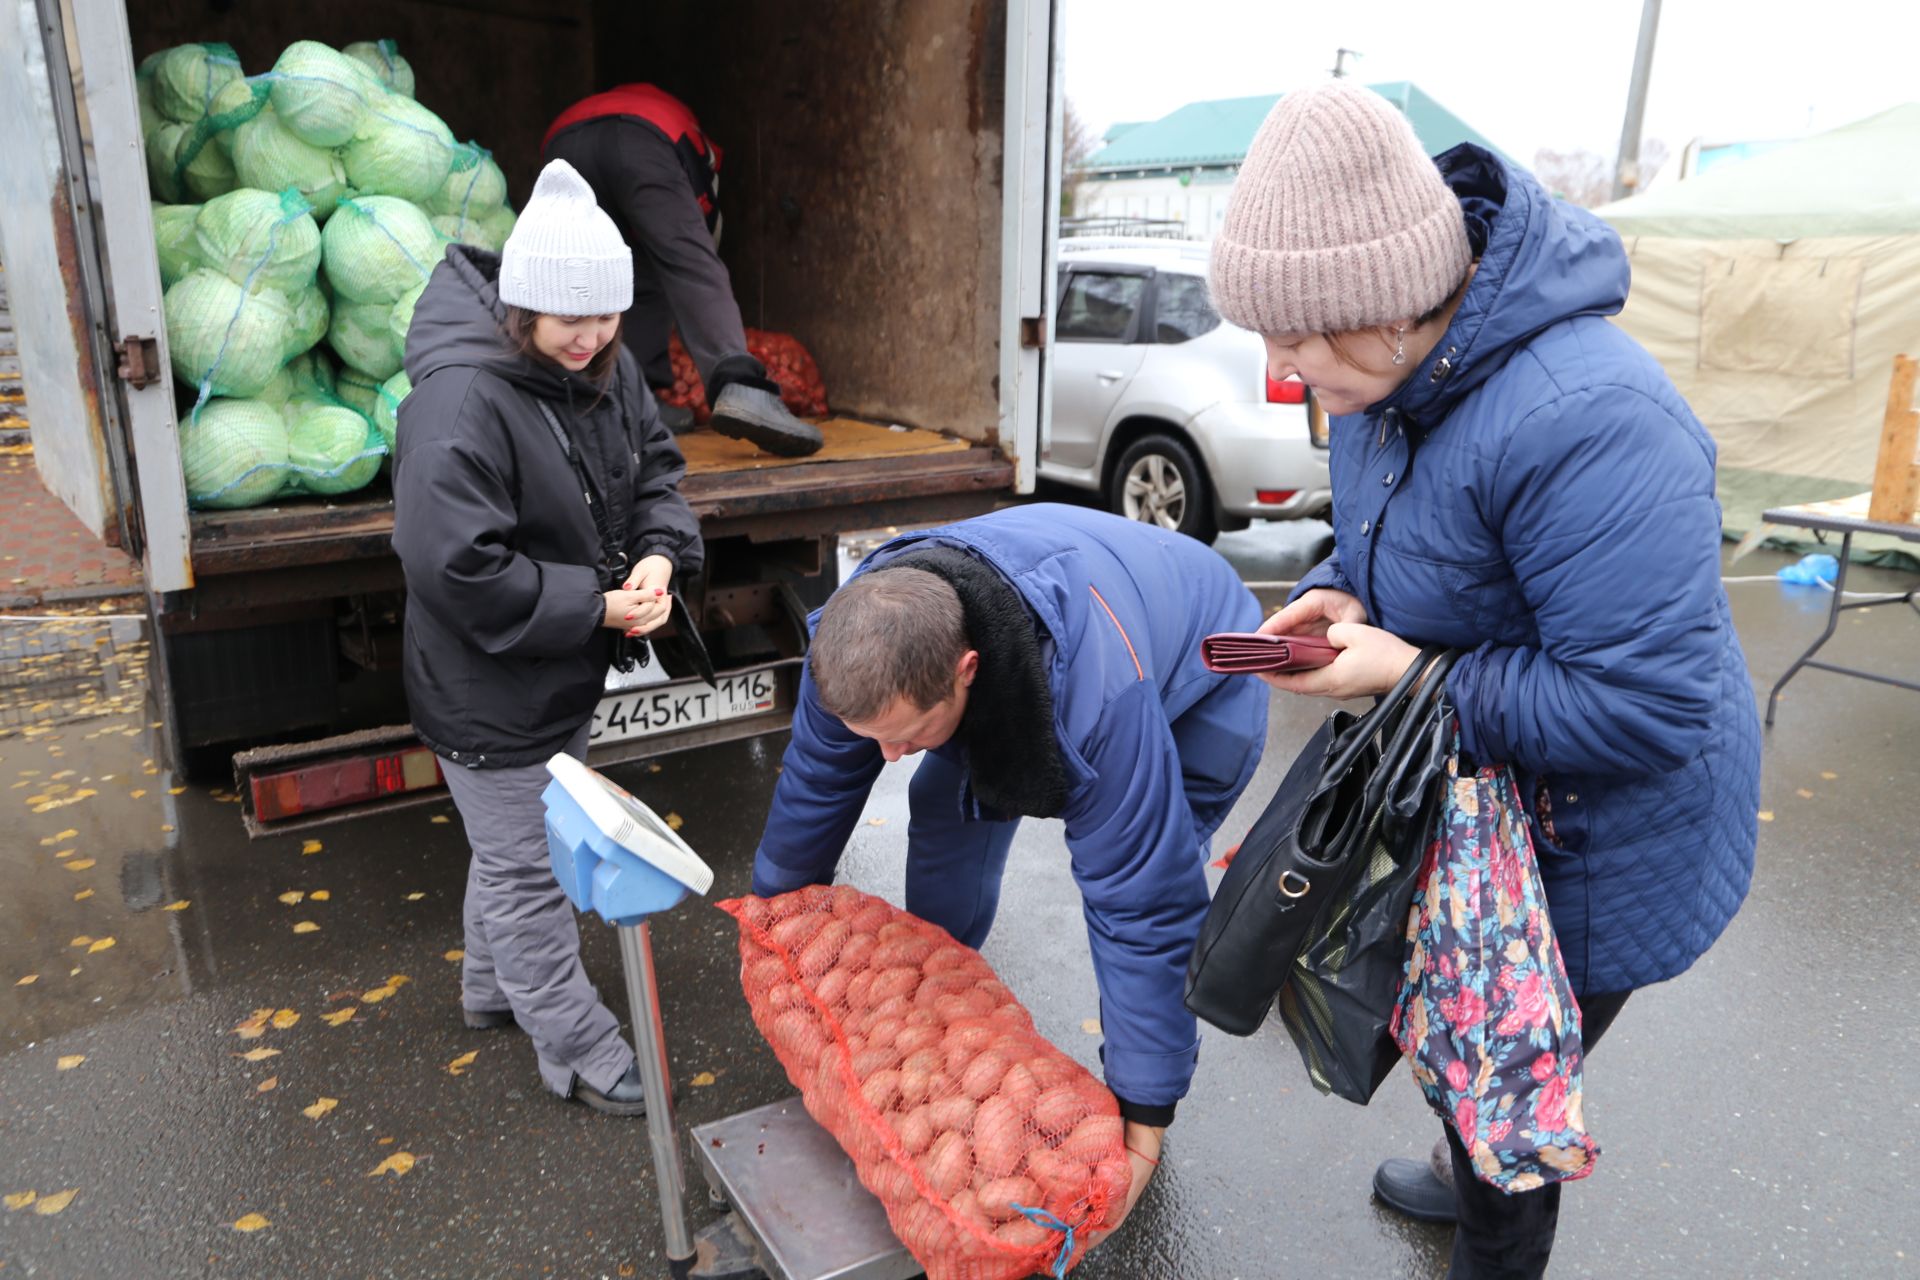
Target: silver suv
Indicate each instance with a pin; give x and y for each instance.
(1164, 408)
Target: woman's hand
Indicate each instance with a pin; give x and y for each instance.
(1371, 662)
(1314, 612)
(1143, 1152)
(649, 581)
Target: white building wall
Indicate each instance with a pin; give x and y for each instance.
(1200, 204)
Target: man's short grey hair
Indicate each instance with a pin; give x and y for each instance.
(890, 633)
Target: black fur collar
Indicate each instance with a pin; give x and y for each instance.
(1012, 753)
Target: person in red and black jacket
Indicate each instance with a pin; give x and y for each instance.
(658, 176)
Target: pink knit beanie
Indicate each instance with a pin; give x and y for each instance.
(1339, 220)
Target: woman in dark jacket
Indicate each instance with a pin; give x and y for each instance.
(1515, 477)
(538, 517)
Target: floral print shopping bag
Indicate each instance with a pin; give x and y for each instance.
(1487, 1015)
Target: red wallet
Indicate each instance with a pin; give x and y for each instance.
(1239, 653)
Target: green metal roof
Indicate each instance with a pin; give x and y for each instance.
(1219, 132)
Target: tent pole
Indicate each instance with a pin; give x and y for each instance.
(1626, 172)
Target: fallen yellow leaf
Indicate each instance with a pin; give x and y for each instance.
(82, 941)
(320, 895)
(1766, 815)
(702, 1080)
(258, 1055)
(71, 1061)
(28, 981)
(292, 897)
(385, 1142)
(139, 795)
(415, 897)
(100, 944)
(311, 846)
(458, 1067)
(78, 864)
(339, 1016)
(876, 822)
(1091, 1026)
(1804, 794)
(268, 1085)
(83, 895)
(74, 972)
(256, 1026)
(1828, 774)
(378, 994)
(166, 827)
(306, 926)
(439, 819)
(319, 1108)
(252, 1222)
(181, 905)
(68, 834)
(455, 954)
(398, 980)
(397, 1164)
(18, 1200)
(675, 821)
(284, 1019)
(47, 1206)
(66, 853)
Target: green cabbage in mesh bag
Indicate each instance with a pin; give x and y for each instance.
(234, 453)
(386, 408)
(150, 117)
(320, 94)
(311, 317)
(402, 150)
(280, 389)
(205, 170)
(402, 318)
(174, 236)
(331, 448)
(223, 338)
(498, 223)
(185, 79)
(163, 174)
(382, 57)
(270, 157)
(474, 185)
(312, 374)
(261, 240)
(237, 103)
(468, 231)
(361, 335)
(357, 389)
(377, 248)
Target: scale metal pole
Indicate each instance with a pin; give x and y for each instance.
(650, 1051)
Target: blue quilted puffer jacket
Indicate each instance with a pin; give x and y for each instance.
(1539, 494)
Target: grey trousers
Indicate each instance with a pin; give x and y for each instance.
(523, 940)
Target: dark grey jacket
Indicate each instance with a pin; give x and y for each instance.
(505, 652)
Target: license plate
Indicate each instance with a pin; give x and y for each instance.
(686, 704)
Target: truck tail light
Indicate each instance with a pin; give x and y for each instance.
(335, 783)
(1290, 391)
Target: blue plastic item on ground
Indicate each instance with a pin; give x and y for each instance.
(611, 853)
(1811, 570)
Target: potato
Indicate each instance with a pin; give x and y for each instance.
(797, 1033)
(819, 954)
(982, 1076)
(796, 931)
(882, 1032)
(942, 1086)
(756, 977)
(915, 1131)
(813, 897)
(860, 988)
(961, 1006)
(869, 1060)
(891, 981)
(925, 1230)
(913, 1038)
(967, 1205)
(1012, 1017)
(890, 1182)
(948, 1165)
(1051, 1070)
(871, 919)
(755, 911)
(1112, 1181)
(1053, 1172)
(1024, 1233)
(942, 959)
(1019, 1085)
(881, 1089)
(891, 1007)
(785, 995)
(1000, 1136)
(845, 901)
(833, 987)
(895, 928)
(966, 1039)
(1097, 1138)
(999, 1195)
(925, 1061)
(997, 990)
(952, 1115)
(908, 949)
(1059, 1109)
(858, 951)
(924, 1018)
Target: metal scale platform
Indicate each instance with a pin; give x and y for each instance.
(793, 1208)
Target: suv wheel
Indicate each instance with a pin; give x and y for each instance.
(1159, 481)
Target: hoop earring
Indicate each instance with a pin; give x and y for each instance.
(1400, 345)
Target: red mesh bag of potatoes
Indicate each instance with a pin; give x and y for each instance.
(788, 363)
(994, 1153)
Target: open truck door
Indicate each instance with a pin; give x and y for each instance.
(1029, 232)
(84, 279)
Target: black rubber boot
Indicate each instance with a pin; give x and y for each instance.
(750, 413)
(487, 1019)
(626, 1098)
(677, 418)
(1421, 1189)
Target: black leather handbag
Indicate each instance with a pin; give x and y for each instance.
(1356, 789)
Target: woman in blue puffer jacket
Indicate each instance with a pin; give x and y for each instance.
(1515, 477)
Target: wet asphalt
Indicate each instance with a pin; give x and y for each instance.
(1757, 1114)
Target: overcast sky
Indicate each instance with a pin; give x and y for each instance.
(1545, 73)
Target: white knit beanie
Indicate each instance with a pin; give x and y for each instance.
(1339, 220)
(565, 256)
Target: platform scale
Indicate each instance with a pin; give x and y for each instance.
(792, 1208)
